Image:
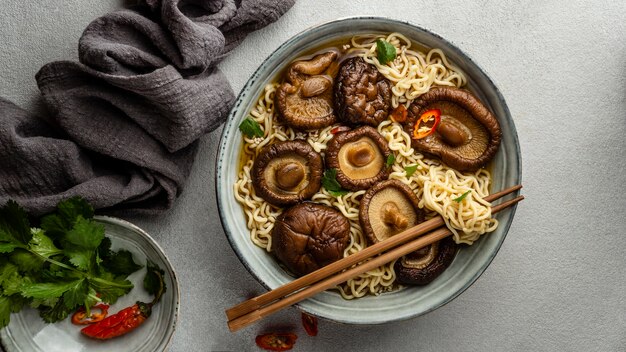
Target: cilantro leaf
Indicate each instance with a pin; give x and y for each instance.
(121, 263)
(42, 244)
(390, 160)
(76, 294)
(56, 313)
(410, 170)
(26, 261)
(462, 196)
(14, 227)
(82, 259)
(329, 181)
(153, 282)
(250, 128)
(110, 288)
(47, 289)
(85, 233)
(67, 213)
(386, 51)
(5, 310)
(7, 247)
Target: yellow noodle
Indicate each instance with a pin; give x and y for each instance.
(436, 185)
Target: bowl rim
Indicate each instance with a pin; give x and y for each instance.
(230, 120)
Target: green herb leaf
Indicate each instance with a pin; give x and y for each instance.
(109, 287)
(47, 289)
(386, 51)
(121, 263)
(462, 196)
(329, 181)
(85, 234)
(410, 170)
(14, 227)
(26, 261)
(42, 244)
(56, 313)
(76, 294)
(5, 310)
(390, 160)
(250, 128)
(67, 213)
(154, 281)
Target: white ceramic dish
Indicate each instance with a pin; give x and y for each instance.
(27, 332)
(469, 263)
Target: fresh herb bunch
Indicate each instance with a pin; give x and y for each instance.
(65, 264)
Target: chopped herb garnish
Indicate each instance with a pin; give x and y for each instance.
(462, 196)
(329, 181)
(386, 51)
(65, 264)
(250, 128)
(410, 170)
(390, 160)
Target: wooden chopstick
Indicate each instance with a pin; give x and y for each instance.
(252, 310)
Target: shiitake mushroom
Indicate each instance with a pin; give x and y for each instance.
(359, 156)
(424, 265)
(305, 98)
(467, 137)
(287, 172)
(309, 236)
(362, 93)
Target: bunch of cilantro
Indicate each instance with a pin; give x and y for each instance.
(64, 264)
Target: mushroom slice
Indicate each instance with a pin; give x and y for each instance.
(362, 94)
(305, 99)
(309, 236)
(388, 208)
(286, 173)
(359, 156)
(424, 265)
(468, 135)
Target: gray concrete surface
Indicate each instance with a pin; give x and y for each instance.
(557, 284)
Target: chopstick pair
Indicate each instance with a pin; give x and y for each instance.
(395, 247)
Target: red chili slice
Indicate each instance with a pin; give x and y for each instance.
(310, 324)
(80, 317)
(339, 129)
(276, 341)
(399, 114)
(426, 124)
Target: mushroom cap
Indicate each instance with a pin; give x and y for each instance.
(287, 172)
(362, 94)
(388, 208)
(468, 135)
(360, 157)
(305, 99)
(309, 236)
(424, 265)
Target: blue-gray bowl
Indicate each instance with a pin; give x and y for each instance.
(469, 263)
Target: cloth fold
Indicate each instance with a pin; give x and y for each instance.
(125, 120)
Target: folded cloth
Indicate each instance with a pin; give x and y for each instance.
(124, 121)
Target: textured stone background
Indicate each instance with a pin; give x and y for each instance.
(557, 284)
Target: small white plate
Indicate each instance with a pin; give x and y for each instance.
(28, 332)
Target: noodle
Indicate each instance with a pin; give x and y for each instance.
(412, 73)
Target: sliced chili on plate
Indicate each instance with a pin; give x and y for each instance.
(309, 323)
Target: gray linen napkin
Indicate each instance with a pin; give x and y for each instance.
(124, 121)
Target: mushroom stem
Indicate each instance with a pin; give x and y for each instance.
(390, 215)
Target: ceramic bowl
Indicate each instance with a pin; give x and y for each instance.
(27, 332)
(469, 263)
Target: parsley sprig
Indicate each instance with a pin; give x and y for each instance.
(65, 264)
(329, 181)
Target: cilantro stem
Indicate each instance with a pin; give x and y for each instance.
(106, 282)
(53, 261)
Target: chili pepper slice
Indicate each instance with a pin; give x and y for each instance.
(339, 129)
(276, 341)
(426, 124)
(80, 317)
(399, 114)
(310, 324)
